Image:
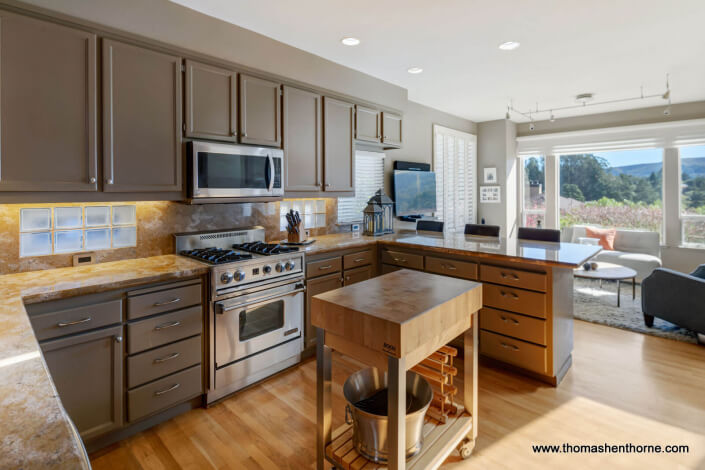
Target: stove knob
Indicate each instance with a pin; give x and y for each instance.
(279, 267)
(289, 265)
(267, 269)
(239, 275)
(226, 277)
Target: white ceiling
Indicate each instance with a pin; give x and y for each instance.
(607, 47)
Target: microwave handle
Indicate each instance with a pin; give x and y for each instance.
(270, 171)
(221, 309)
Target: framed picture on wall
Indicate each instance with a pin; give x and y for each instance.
(491, 175)
(490, 194)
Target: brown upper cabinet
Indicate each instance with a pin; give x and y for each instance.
(338, 145)
(368, 124)
(48, 108)
(141, 119)
(260, 111)
(303, 149)
(211, 102)
(391, 129)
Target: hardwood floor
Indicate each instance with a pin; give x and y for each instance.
(623, 388)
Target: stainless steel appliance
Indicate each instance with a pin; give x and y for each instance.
(256, 306)
(231, 171)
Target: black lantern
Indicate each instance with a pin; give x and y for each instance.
(382, 200)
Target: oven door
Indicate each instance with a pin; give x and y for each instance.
(218, 170)
(249, 324)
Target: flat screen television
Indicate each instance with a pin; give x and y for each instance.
(414, 192)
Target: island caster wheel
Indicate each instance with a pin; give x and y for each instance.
(465, 448)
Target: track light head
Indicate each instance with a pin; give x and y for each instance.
(667, 111)
(666, 95)
(532, 126)
(552, 118)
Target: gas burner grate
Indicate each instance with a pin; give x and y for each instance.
(216, 255)
(266, 249)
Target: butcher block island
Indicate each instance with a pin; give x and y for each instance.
(395, 322)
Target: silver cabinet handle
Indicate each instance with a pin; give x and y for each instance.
(359, 259)
(510, 294)
(164, 326)
(509, 346)
(61, 324)
(323, 268)
(159, 360)
(327, 185)
(91, 180)
(118, 339)
(400, 260)
(168, 302)
(449, 267)
(347, 278)
(505, 319)
(513, 276)
(109, 181)
(167, 390)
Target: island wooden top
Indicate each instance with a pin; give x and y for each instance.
(405, 313)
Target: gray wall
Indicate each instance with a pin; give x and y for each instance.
(496, 147)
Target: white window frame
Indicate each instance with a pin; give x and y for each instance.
(685, 217)
(443, 175)
(343, 201)
(522, 211)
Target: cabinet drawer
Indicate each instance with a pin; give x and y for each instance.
(355, 260)
(448, 267)
(405, 260)
(164, 393)
(510, 324)
(153, 332)
(352, 276)
(163, 361)
(514, 300)
(513, 277)
(74, 320)
(142, 305)
(525, 355)
(324, 266)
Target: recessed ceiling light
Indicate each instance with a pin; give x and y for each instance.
(415, 70)
(509, 45)
(350, 41)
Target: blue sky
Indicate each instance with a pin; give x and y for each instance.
(633, 157)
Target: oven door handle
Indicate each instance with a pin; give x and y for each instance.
(270, 172)
(230, 308)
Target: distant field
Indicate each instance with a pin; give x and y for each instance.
(692, 166)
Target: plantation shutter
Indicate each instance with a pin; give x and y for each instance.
(369, 177)
(455, 162)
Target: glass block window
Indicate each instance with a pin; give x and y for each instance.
(75, 228)
(312, 212)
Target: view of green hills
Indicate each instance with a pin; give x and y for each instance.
(691, 166)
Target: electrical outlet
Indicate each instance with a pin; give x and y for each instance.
(83, 258)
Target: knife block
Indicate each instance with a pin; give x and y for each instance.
(300, 237)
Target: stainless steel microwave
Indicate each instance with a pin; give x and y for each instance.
(228, 171)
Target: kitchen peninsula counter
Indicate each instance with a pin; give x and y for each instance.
(34, 427)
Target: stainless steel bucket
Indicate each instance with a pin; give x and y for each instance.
(370, 430)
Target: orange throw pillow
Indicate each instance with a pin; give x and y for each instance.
(605, 235)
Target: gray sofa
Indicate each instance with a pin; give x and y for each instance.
(675, 297)
(636, 249)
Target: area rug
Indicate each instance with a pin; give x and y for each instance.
(599, 305)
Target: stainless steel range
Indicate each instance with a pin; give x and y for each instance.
(256, 305)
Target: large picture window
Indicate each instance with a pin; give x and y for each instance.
(620, 189)
(693, 195)
(369, 177)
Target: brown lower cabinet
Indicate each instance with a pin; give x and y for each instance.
(317, 286)
(87, 370)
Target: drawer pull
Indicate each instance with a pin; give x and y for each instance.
(168, 302)
(164, 326)
(509, 346)
(62, 324)
(359, 260)
(347, 278)
(511, 275)
(323, 268)
(505, 319)
(449, 267)
(510, 294)
(400, 260)
(159, 360)
(167, 390)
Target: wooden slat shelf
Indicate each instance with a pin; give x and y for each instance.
(439, 441)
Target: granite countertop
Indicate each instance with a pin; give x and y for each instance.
(565, 255)
(34, 428)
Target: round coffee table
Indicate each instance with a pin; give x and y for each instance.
(610, 272)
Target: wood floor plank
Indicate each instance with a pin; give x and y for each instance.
(623, 388)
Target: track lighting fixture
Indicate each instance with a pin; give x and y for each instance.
(552, 118)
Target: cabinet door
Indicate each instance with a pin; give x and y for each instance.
(391, 129)
(211, 102)
(353, 276)
(367, 124)
(303, 127)
(87, 372)
(141, 119)
(47, 106)
(314, 287)
(338, 150)
(260, 111)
